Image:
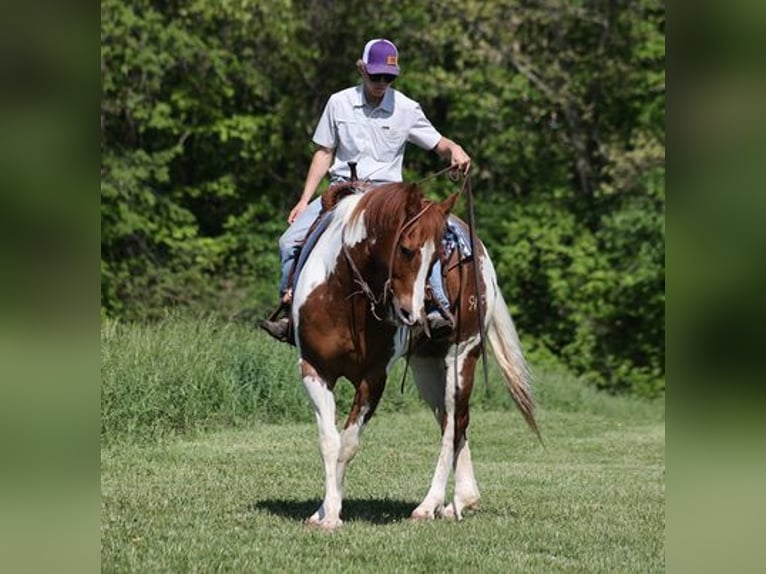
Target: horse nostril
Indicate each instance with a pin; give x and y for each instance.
(405, 314)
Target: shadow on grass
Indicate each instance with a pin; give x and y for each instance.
(383, 511)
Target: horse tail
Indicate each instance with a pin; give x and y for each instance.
(507, 350)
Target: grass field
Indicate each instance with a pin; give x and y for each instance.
(591, 501)
(230, 493)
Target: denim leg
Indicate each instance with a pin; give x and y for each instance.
(437, 286)
(290, 242)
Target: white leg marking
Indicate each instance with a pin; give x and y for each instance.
(328, 514)
(433, 503)
(466, 489)
(350, 439)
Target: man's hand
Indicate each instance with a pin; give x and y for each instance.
(296, 211)
(459, 160)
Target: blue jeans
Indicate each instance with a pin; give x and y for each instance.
(291, 240)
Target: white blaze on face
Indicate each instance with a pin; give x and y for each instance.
(419, 287)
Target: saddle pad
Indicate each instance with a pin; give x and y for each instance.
(456, 237)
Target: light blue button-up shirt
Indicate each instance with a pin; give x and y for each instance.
(373, 137)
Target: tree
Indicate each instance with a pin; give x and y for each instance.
(208, 110)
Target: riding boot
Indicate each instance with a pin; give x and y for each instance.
(280, 329)
(440, 319)
(440, 322)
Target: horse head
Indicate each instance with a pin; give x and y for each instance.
(406, 232)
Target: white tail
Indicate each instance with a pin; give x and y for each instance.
(507, 349)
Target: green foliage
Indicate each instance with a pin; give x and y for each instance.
(207, 111)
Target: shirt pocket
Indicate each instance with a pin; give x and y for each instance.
(351, 138)
(389, 143)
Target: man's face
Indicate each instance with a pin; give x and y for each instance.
(377, 84)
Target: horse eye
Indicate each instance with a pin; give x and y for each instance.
(407, 253)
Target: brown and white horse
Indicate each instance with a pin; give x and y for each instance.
(359, 304)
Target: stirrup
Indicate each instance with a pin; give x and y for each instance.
(281, 307)
(439, 325)
(281, 329)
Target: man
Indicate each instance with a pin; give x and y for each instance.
(369, 124)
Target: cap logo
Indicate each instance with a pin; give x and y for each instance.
(391, 60)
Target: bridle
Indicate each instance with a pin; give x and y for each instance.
(364, 287)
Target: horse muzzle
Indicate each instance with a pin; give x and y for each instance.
(405, 316)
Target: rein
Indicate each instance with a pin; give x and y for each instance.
(359, 280)
(454, 175)
(466, 187)
(479, 299)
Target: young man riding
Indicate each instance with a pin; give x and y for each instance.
(370, 125)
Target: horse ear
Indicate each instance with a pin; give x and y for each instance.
(446, 206)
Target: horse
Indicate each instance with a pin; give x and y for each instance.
(359, 305)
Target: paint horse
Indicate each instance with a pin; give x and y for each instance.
(359, 305)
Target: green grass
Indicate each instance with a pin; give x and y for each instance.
(234, 500)
(209, 462)
(183, 375)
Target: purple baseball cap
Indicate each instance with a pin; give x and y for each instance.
(380, 56)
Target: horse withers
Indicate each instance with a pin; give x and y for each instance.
(359, 304)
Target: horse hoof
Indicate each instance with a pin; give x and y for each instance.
(422, 514)
(451, 513)
(327, 525)
(330, 525)
(448, 513)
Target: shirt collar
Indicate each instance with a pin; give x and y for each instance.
(387, 103)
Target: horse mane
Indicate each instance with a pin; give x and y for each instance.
(389, 206)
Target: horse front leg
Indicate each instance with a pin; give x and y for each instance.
(322, 399)
(366, 399)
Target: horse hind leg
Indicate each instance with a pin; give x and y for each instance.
(322, 399)
(431, 383)
(466, 489)
(448, 396)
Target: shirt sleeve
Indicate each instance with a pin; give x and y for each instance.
(325, 134)
(422, 133)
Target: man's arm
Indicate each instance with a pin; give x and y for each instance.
(320, 163)
(458, 158)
